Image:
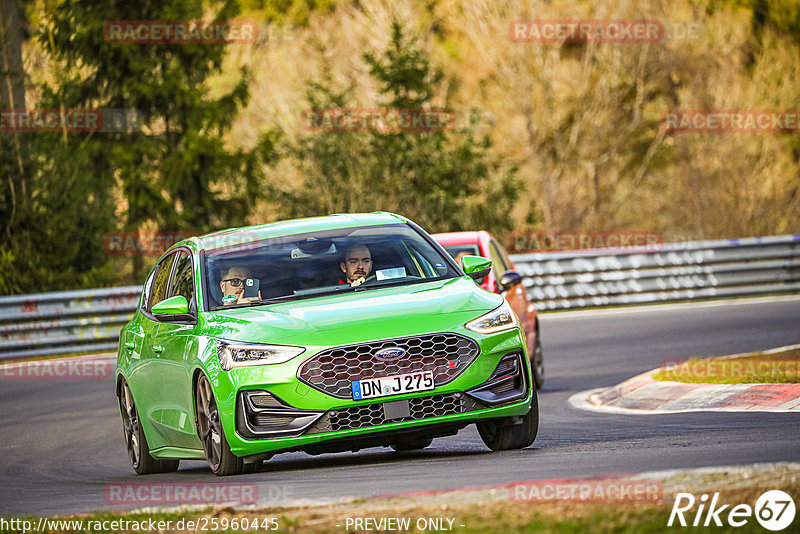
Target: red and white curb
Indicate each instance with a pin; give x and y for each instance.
(643, 394)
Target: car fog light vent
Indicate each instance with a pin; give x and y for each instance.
(508, 365)
(509, 385)
(266, 401)
(272, 421)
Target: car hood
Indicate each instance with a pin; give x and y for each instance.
(353, 317)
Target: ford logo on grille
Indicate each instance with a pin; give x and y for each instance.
(390, 353)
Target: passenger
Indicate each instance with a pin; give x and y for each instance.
(357, 265)
(232, 286)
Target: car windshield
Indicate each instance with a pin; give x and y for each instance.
(321, 263)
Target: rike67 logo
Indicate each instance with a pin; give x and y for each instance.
(774, 510)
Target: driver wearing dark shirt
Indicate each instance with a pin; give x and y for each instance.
(357, 265)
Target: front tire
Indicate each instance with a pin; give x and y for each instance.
(217, 451)
(498, 435)
(135, 441)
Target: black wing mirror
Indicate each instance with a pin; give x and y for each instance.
(509, 280)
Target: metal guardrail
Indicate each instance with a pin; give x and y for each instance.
(71, 321)
(65, 321)
(675, 272)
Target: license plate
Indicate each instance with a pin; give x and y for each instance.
(392, 385)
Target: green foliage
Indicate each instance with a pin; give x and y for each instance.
(441, 179)
(53, 233)
(296, 12)
(780, 15)
(176, 172)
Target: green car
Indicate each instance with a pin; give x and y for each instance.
(321, 335)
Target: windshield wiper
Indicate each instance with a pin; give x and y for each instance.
(274, 299)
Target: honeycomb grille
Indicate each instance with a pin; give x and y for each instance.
(332, 370)
(372, 414)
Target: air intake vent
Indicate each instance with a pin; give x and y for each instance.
(373, 414)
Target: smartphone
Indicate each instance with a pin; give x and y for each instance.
(251, 286)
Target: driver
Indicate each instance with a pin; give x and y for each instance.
(357, 265)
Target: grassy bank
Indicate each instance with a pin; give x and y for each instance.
(440, 514)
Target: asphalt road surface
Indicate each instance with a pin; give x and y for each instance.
(61, 441)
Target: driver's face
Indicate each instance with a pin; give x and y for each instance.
(357, 264)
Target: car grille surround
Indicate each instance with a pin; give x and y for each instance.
(331, 371)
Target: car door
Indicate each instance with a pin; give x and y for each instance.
(144, 379)
(132, 335)
(174, 344)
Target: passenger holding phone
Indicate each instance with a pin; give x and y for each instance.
(232, 284)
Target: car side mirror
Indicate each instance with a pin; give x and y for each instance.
(509, 280)
(173, 308)
(476, 267)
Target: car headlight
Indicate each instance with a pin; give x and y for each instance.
(498, 320)
(234, 354)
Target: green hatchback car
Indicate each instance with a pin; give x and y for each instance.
(321, 335)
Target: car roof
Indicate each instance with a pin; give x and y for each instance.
(224, 238)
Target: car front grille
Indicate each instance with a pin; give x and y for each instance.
(331, 371)
(373, 414)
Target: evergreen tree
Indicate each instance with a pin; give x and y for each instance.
(175, 171)
(441, 178)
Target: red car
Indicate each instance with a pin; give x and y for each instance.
(502, 279)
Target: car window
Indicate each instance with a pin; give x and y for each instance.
(504, 256)
(307, 265)
(183, 281)
(498, 267)
(497, 262)
(458, 251)
(455, 250)
(161, 282)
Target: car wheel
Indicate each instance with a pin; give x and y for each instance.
(412, 444)
(217, 451)
(136, 442)
(537, 361)
(498, 435)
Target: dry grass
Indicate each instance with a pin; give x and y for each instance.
(582, 123)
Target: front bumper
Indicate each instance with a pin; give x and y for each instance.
(273, 417)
